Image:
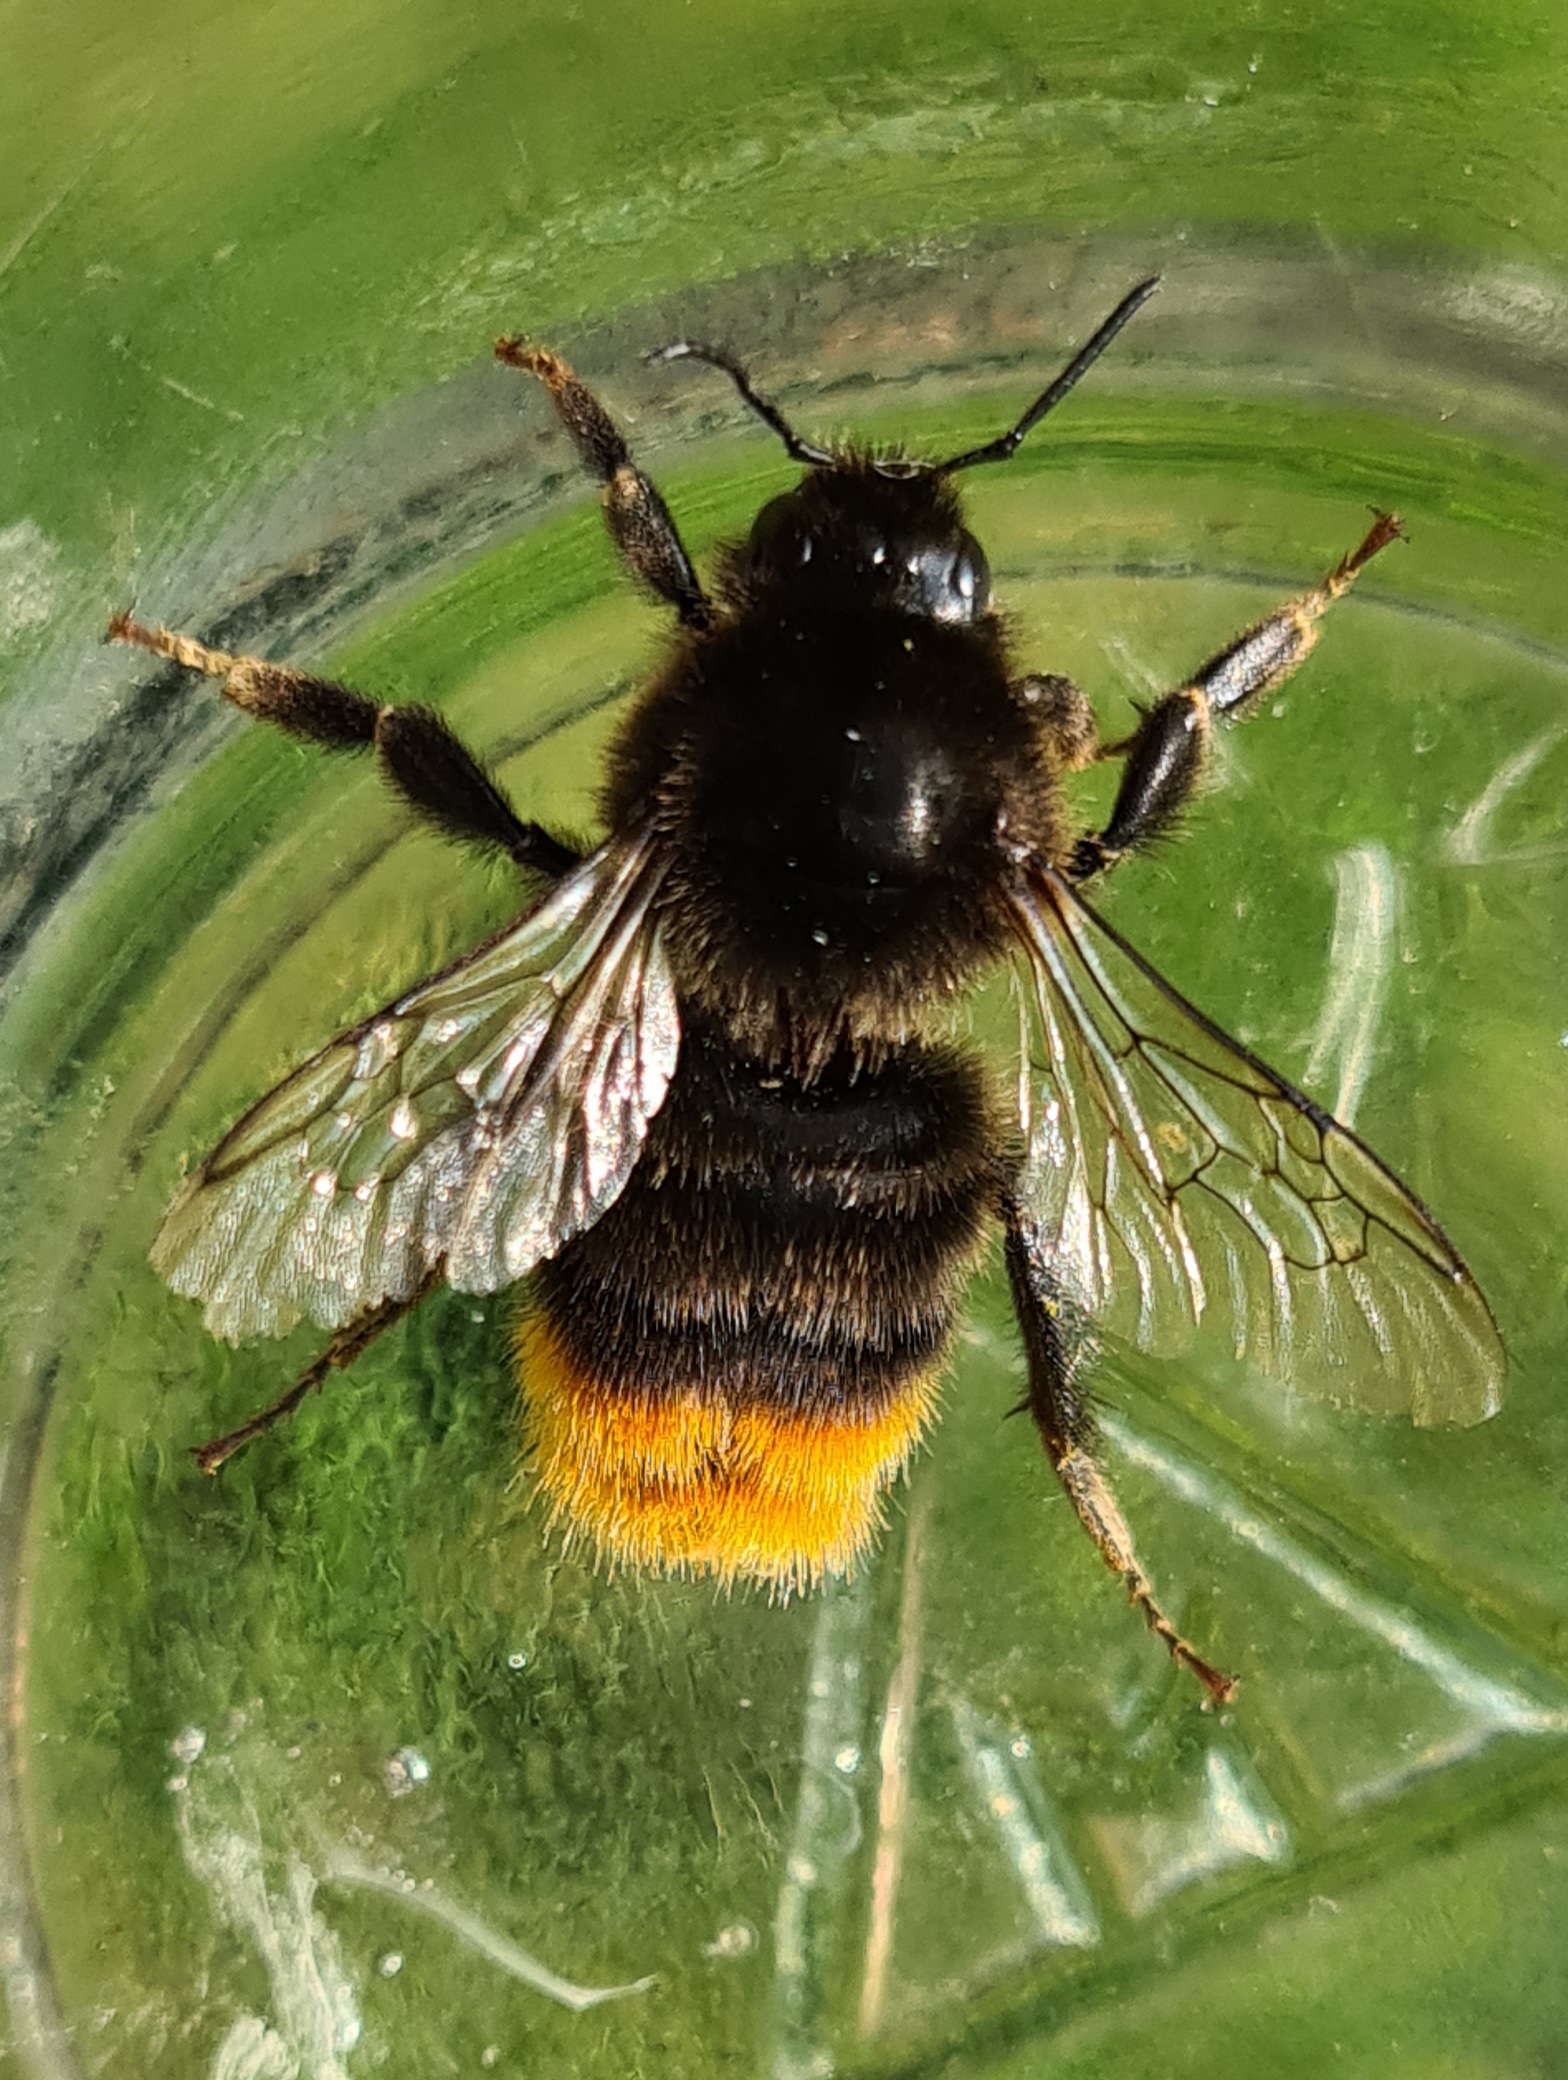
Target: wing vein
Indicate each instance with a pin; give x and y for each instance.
(1166, 1146)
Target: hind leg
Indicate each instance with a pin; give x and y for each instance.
(344, 1348)
(1060, 1407)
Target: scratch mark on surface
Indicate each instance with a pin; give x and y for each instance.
(1470, 843)
(206, 403)
(316, 2017)
(1360, 961)
(1152, 1855)
(1053, 1888)
(893, 1752)
(814, 1864)
(31, 229)
(342, 1867)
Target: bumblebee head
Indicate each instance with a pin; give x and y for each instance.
(896, 541)
(890, 525)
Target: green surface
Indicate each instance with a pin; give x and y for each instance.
(362, 1581)
(228, 230)
(228, 240)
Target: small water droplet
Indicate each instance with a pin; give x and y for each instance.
(391, 1964)
(404, 1771)
(739, 1939)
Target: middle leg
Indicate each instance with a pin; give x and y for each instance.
(434, 772)
(1165, 754)
(341, 1352)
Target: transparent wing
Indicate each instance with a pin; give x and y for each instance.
(469, 1129)
(1171, 1175)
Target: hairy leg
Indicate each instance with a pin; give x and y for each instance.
(1165, 754)
(1060, 1407)
(427, 765)
(344, 1348)
(639, 521)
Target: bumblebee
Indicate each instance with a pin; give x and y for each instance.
(702, 1095)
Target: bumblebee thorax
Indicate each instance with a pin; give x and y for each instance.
(832, 789)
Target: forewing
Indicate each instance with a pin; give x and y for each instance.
(469, 1129)
(1172, 1176)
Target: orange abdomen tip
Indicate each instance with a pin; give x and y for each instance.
(689, 1483)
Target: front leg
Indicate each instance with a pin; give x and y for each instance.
(640, 523)
(1165, 754)
(1054, 1349)
(429, 767)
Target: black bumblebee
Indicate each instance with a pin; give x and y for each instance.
(703, 1098)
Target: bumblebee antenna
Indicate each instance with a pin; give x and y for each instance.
(1007, 444)
(720, 357)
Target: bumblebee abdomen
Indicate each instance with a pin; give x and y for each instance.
(725, 1374)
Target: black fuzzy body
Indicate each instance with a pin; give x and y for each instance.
(798, 1244)
(702, 1095)
(840, 786)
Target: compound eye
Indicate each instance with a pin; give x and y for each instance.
(970, 580)
(780, 540)
(949, 584)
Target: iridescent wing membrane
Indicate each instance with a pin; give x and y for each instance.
(1171, 1176)
(469, 1129)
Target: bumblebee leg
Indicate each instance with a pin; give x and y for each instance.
(1165, 754)
(1061, 1411)
(344, 1348)
(638, 519)
(427, 765)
